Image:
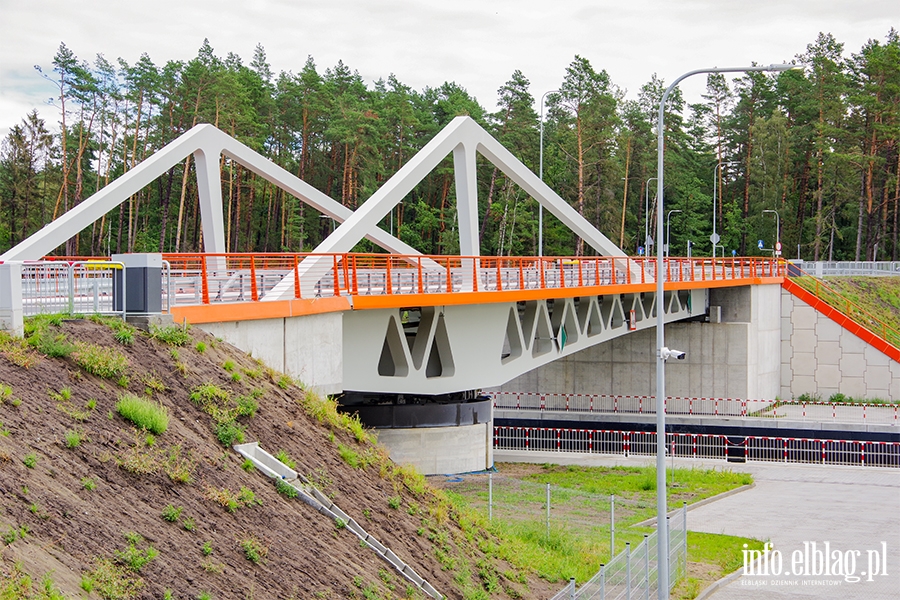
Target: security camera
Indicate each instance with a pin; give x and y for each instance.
(667, 353)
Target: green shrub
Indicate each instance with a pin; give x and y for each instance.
(394, 502)
(30, 460)
(254, 550)
(206, 549)
(144, 413)
(283, 457)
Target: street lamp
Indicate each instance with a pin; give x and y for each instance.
(647, 215)
(541, 177)
(668, 238)
(662, 353)
(714, 238)
(777, 231)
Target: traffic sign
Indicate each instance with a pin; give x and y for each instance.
(760, 244)
(714, 238)
(777, 246)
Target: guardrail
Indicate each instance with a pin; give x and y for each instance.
(697, 445)
(837, 412)
(80, 287)
(850, 268)
(831, 297)
(207, 278)
(70, 287)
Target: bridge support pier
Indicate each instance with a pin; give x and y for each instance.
(11, 314)
(437, 438)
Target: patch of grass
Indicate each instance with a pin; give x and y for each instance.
(254, 550)
(283, 457)
(125, 336)
(286, 489)
(248, 465)
(139, 458)
(206, 548)
(74, 438)
(88, 484)
(229, 500)
(153, 383)
(30, 460)
(17, 351)
(101, 361)
(52, 344)
(189, 524)
(394, 502)
(5, 393)
(144, 413)
(247, 406)
(200, 347)
(133, 557)
(229, 433)
(112, 581)
(284, 381)
(173, 335)
(63, 395)
(172, 513)
(228, 366)
(179, 468)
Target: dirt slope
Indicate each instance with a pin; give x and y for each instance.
(52, 523)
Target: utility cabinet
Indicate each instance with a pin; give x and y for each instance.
(139, 285)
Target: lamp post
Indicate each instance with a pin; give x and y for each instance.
(647, 214)
(662, 353)
(777, 249)
(668, 237)
(714, 238)
(541, 177)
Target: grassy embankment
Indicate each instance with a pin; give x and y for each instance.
(579, 534)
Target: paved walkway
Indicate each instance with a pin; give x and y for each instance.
(851, 508)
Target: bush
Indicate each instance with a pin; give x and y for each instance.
(144, 413)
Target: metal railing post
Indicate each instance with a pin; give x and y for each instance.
(71, 288)
(490, 496)
(646, 567)
(628, 570)
(612, 526)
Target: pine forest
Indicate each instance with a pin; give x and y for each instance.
(816, 149)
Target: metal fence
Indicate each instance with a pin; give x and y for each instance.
(697, 445)
(837, 412)
(79, 287)
(847, 268)
(634, 573)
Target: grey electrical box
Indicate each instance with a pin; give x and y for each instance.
(139, 284)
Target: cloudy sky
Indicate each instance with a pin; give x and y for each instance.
(476, 43)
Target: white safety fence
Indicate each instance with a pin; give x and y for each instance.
(78, 287)
(848, 268)
(837, 412)
(696, 445)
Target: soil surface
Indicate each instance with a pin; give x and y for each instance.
(52, 523)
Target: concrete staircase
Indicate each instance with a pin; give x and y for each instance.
(308, 493)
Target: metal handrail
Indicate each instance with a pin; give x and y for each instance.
(849, 309)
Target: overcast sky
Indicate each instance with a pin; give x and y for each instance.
(476, 43)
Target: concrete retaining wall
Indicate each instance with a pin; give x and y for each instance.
(440, 450)
(736, 358)
(309, 348)
(818, 356)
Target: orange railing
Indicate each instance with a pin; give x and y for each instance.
(801, 281)
(208, 278)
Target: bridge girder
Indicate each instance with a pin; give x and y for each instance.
(447, 349)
